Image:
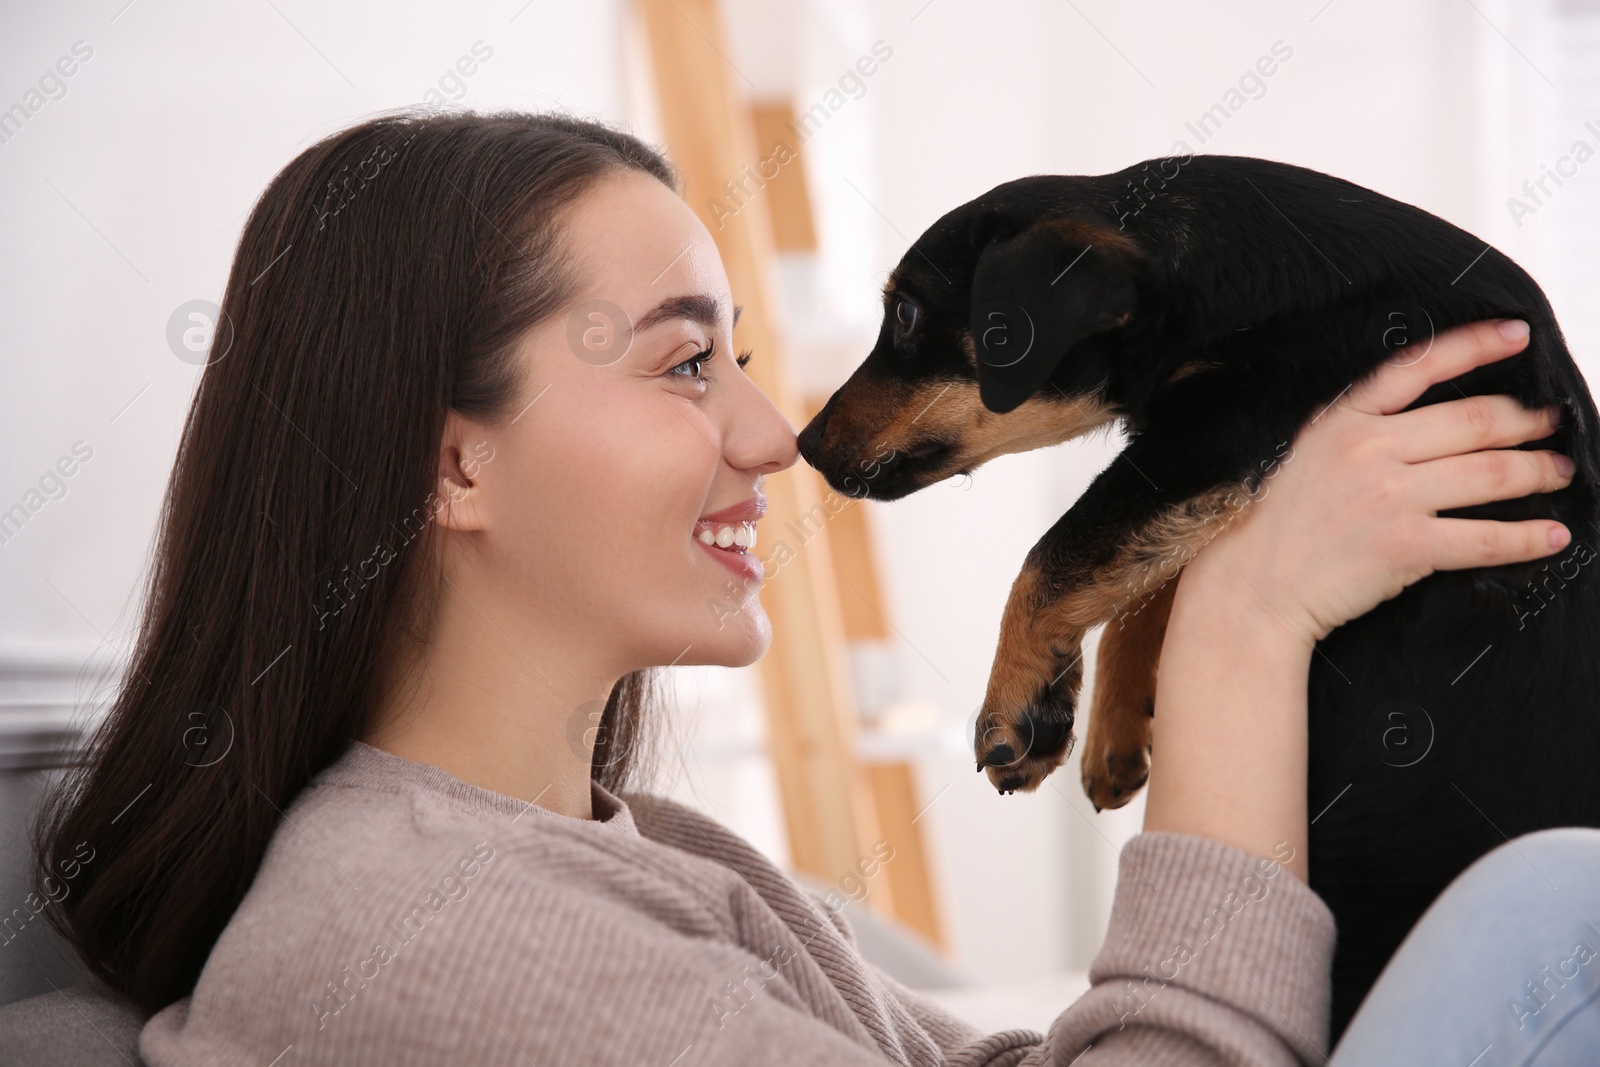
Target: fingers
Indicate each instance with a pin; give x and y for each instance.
(1496, 474)
(1452, 427)
(1456, 544)
(1407, 374)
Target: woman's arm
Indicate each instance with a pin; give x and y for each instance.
(1231, 711)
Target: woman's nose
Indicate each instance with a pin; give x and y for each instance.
(758, 437)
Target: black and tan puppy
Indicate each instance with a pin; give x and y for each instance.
(1212, 305)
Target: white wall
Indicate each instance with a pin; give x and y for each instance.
(124, 197)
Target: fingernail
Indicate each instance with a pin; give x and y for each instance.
(1558, 536)
(1564, 464)
(1513, 329)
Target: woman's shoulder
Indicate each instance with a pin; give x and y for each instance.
(373, 816)
(384, 875)
(388, 894)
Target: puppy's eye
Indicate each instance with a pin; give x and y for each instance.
(906, 315)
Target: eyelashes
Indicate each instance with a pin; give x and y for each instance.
(704, 356)
(711, 351)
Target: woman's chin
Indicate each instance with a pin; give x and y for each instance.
(740, 641)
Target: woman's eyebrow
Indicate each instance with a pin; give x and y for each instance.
(697, 307)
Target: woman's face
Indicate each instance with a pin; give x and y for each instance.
(595, 497)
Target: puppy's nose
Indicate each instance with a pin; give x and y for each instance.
(810, 439)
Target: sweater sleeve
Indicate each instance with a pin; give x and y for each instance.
(1212, 956)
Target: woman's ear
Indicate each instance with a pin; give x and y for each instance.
(1037, 294)
(459, 501)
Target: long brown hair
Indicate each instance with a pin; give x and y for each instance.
(382, 279)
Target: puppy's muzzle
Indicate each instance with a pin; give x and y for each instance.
(856, 465)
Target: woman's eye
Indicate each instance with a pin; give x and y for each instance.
(906, 313)
(696, 361)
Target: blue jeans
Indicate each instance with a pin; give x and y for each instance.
(1503, 970)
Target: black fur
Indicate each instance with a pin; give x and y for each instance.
(1446, 720)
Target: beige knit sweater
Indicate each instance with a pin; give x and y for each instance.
(403, 916)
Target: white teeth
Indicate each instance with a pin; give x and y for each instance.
(741, 536)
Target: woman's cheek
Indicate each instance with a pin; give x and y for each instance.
(659, 472)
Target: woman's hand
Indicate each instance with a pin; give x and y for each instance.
(1345, 522)
(1348, 519)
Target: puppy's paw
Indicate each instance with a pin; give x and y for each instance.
(1114, 769)
(1115, 760)
(1024, 730)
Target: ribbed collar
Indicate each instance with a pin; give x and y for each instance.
(365, 765)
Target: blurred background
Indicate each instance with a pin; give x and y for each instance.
(135, 137)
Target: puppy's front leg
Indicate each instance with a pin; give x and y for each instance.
(1116, 749)
(1101, 558)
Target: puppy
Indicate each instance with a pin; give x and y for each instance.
(1211, 306)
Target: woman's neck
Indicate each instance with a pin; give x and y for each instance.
(497, 702)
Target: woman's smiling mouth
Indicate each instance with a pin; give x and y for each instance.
(729, 535)
(741, 538)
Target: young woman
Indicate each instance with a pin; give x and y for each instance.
(477, 457)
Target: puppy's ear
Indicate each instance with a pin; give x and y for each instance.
(1037, 294)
